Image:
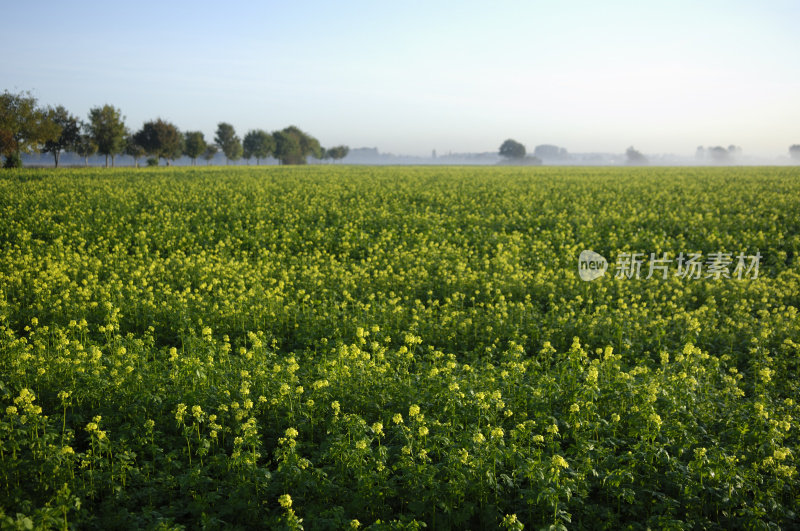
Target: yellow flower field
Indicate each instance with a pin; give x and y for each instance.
(328, 347)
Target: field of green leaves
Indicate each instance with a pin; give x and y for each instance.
(391, 348)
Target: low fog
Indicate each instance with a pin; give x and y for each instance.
(541, 154)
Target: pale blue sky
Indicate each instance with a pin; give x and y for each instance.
(409, 77)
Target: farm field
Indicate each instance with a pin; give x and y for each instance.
(329, 347)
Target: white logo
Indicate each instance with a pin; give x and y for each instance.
(591, 265)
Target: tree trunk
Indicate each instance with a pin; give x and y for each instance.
(55, 156)
(106, 160)
(112, 160)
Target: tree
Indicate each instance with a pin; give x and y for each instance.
(24, 127)
(719, 154)
(133, 149)
(287, 148)
(70, 132)
(700, 153)
(293, 146)
(6, 145)
(258, 144)
(635, 158)
(338, 152)
(160, 139)
(85, 147)
(194, 145)
(107, 126)
(211, 151)
(550, 152)
(228, 142)
(512, 149)
(794, 151)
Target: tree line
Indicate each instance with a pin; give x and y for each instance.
(514, 151)
(26, 127)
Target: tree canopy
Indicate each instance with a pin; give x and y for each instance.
(160, 139)
(634, 157)
(107, 127)
(133, 149)
(85, 147)
(293, 146)
(194, 145)
(258, 144)
(70, 128)
(337, 153)
(24, 126)
(210, 152)
(512, 149)
(228, 141)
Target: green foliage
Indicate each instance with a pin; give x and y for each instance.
(12, 160)
(210, 152)
(194, 145)
(135, 150)
(107, 128)
(24, 126)
(160, 139)
(85, 147)
(512, 149)
(228, 141)
(337, 153)
(70, 130)
(293, 146)
(330, 347)
(287, 148)
(258, 144)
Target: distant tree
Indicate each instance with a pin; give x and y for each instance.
(107, 126)
(134, 149)
(24, 126)
(210, 153)
(549, 152)
(228, 142)
(338, 152)
(194, 145)
(293, 146)
(258, 144)
(719, 154)
(794, 151)
(287, 148)
(700, 153)
(308, 144)
(634, 157)
(160, 139)
(236, 151)
(85, 147)
(512, 149)
(70, 132)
